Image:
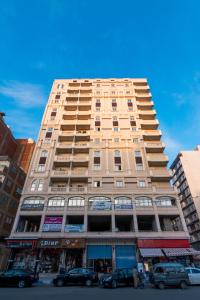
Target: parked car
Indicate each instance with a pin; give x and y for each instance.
(169, 274)
(19, 278)
(77, 276)
(194, 275)
(117, 278)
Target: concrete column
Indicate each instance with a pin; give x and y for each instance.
(26, 225)
(113, 216)
(86, 216)
(127, 159)
(157, 218)
(135, 222)
(113, 257)
(84, 262)
(181, 216)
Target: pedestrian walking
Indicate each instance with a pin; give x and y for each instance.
(141, 279)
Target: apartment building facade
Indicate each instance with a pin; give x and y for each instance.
(186, 177)
(12, 178)
(98, 192)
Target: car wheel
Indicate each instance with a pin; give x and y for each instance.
(114, 284)
(21, 284)
(59, 283)
(183, 285)
(88, 282)
(161, 285)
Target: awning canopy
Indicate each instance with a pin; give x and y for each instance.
(180, 251)
(151, 252)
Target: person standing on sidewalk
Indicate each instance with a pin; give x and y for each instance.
(135, 278)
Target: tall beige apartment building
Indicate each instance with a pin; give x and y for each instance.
(186, 177)
(98, 191)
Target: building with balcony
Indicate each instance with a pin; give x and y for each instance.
(98, 192)
(14, 161)
(186, 178)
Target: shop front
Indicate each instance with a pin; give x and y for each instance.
(105, 258)
(23, 254)
(60, 254)
(155, 251)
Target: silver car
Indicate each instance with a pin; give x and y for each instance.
(194, 275)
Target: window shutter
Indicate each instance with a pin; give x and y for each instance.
(115, 123)
(53, 113)
(117, 160)
(42, 160)
(130, 104)
(138, 160)
(133, 123)
(97, 160)
(98, 104)
(48, 134)
(114, 104)
(57, 97)
(97, 123)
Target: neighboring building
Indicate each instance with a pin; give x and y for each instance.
(12, 178)
(186, 177)
(25, 152)
(98, 191)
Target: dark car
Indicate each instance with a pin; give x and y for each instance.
(77, 276)
(19, 278)
(169, 274)
(117, 278)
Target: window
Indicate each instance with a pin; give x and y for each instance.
(117, 160)
(115, 129)
(97, 140)
(114, 103)
(40, 185)
(119, 183)
(97, 160)
(34, 200)
(165, 201)
(142, 183)
(56, 202)
(123, 202)
(135, 141)
(44, 153)
(143, 201)
(138, 161)
(57, 96)
(116, 140)
(97, 129)
(139, 167)
(76, 202)
(49, 133)
(41, 168)
(33, 185)
(97, 183)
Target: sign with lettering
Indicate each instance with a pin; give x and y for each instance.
(49, 243)
(26, 206)
(73, 243)
(74, 228)
(21, 243)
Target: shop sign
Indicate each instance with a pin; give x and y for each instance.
(74, 228)
(53, 224)
(53, 220)
(27, 206)
(73, 243)
(101, 205)
(49, 243)
(123, 206)
(21, 243)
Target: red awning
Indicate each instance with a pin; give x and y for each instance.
(151, 252)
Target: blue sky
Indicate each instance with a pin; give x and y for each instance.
(88, 38)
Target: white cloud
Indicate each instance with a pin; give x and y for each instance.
(24, 94)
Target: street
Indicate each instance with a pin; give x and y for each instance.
(96, 293)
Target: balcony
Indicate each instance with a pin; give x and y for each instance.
(157, 160)
(160, 175)
(147, 114)
(149, 124)
(60, 173)
(154, 147)
(143, 95)
(141, 88)
(152, 135)
(81, 189)
(145, 105)
(57, 189)
(79, 172)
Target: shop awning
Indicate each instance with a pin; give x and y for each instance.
(151, 252)
(180, 251)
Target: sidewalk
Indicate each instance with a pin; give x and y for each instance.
(45, 279)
